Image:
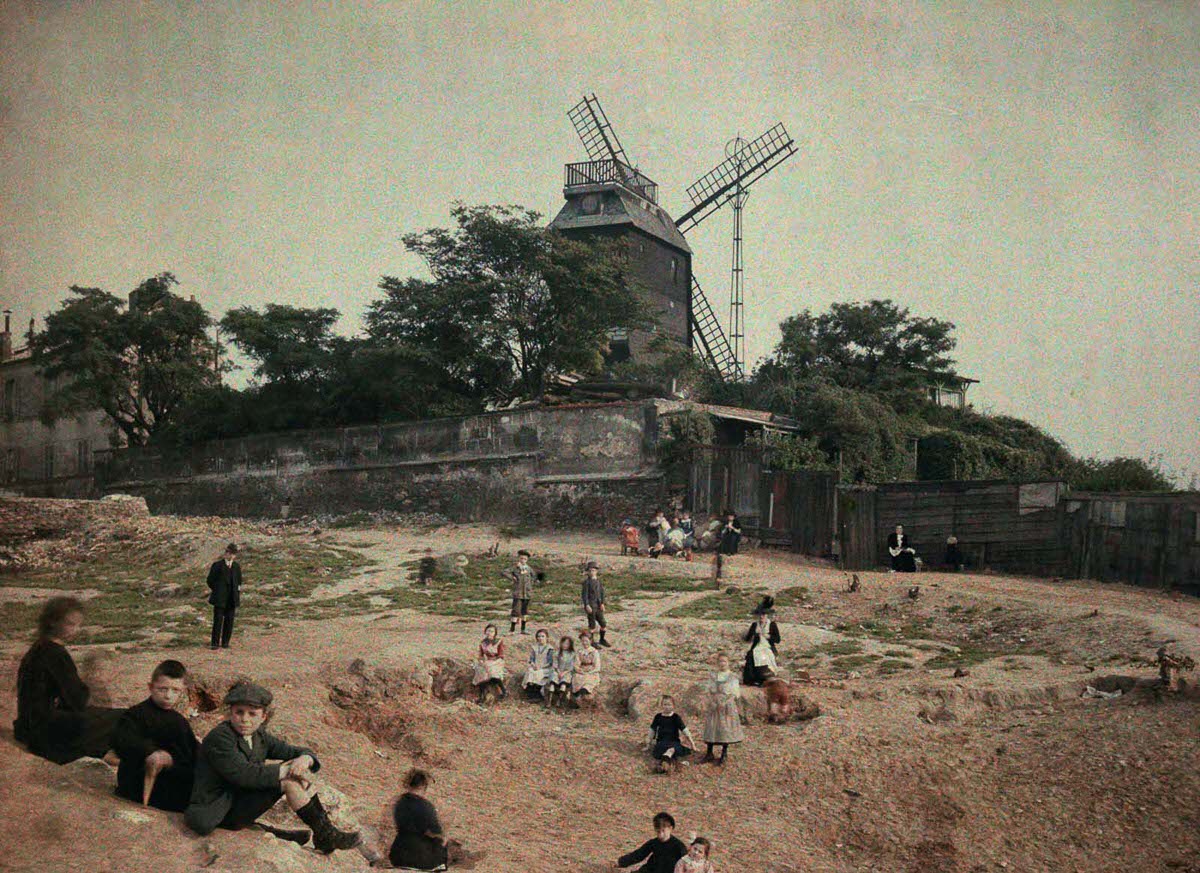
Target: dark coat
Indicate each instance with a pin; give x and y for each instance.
(663, 855)
(148, 728)
(749, 673)
(730, 538)
(592, 592)
(53, 718)
(225, 582)
(904, 561)
(226, 765)
(414, 817)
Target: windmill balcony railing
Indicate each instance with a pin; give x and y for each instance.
(599, 172)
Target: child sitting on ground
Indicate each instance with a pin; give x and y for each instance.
(235, 784)
(662, 853)
(156, 744)
(489, 667)
(587, 669)
(540, 666)
(563, 672)
(631, 538)
(696, 860)
(666, 732)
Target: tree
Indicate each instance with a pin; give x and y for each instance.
(291, 346)
(876, 346)
(1120, 474)
(511, 303)
(139, 362)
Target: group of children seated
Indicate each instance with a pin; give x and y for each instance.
(674, 537)
(558, 677)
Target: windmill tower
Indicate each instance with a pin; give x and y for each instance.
(728, 183)
(607, 196)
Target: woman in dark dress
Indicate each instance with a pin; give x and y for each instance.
(904, 556)
(763, 637)
(53, 718)
(420, 842)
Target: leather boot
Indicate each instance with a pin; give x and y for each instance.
(298, 836)
(326, 838)
(523, 630)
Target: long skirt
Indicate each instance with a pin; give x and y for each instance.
(485, 671)
(663, 746)
(722, 723)
(585, 682)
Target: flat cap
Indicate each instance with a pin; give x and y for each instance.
(592, 565)
(248, 694)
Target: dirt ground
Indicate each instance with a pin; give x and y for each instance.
(907, 769)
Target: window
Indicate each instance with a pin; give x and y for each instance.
(49, 462)
(83, 459)
(675, 271)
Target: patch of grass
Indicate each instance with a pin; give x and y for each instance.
(359, 518)
(852, 662)
(738, 606)
(841, 647)
(897, 653)
(964, 656)
(888, 666)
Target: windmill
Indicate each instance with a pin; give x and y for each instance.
(607, 195)
(729, 183)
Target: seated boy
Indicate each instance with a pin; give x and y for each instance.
(666, 731)
(235, 784)
(156, 744)
(663, 852)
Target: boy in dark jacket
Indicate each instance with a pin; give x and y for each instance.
(593, 602)
(156, 745)
(225, 583)
(235, 784)
(663, 852)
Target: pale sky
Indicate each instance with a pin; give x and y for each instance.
(1029, 171)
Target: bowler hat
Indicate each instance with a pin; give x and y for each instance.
(248, 694)
(592, 565)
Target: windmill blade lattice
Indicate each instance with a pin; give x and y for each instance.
(751, 162)
(599, 139)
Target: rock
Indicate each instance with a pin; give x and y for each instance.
(91, 774)
(131, 815)
(642, 702)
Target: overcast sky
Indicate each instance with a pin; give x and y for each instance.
(1029, 171)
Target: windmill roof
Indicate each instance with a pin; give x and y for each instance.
(620, 207)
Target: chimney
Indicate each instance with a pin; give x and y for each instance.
(6, 337)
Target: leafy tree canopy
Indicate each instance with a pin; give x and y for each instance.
(139, 361)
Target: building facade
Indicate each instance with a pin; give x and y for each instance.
(38, 459)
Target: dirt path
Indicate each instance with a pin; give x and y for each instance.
(911, 771)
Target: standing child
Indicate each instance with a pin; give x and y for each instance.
(225, 585)
(722, 721)
(563, 673)
(489, 666)
(540, 666)
(587, 668)
(631, 542)
(593, 601)
(696, 860)
(522, 577)
(662, 853)
(235, 784)
(156, 744)
(667, 730)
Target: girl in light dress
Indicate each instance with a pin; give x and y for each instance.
(722, 720)
(489, 667)
(696, 860)
(539, 667)
(562, 672)
(587, 668)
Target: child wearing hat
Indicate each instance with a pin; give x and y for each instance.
(763, 636)
(225, 587)
(522, 577)
(593, 602)
(234, 784)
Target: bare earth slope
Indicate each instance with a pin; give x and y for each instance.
(906, 769)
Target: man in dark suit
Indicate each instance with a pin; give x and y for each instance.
(225, 583)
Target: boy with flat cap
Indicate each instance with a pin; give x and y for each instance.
(235, 784)
(522, 576)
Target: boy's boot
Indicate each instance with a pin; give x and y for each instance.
(523, 627)
(604, 642)
(326, 838)
(512, 626)
(299, 835)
